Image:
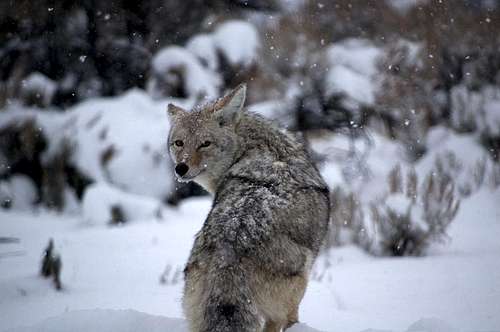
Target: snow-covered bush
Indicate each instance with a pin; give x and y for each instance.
(477, 111)
(238, 42)
(208, 62)
(347, 220)
(37, 90)
(176, 72)
(460, 157)
(203, 47)
(405, 101)
(350, 72)
(413, 217)
(405, 221)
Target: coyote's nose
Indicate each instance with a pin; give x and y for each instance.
(181, 169)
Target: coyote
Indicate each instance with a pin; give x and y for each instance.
(249, 265)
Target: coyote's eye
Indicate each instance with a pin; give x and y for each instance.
(179, 143)
(205, 144)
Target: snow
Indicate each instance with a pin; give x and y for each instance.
(361, 164)
(352, 65)
(114, 272)
(276, 110)
(198, 81)
(134, 129)
(476, 109)
(100, 199)
(19, 191)
(341, 80)
(399, 203)
(359, 55)
(404, 6)
(37, 83)
(492, 116)
(238, 41)
(203, 47)
(99, 320)
(130, 129)
(460, 156)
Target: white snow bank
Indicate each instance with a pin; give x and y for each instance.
(102, 320)
(119, 140)
(100, 199)
(131, 131)
(197, 80)
(238, 41)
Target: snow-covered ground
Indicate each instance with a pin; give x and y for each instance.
(117, 270)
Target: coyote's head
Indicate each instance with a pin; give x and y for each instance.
(203, 143)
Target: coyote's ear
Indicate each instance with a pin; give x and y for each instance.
(174, 112)
(227, 108)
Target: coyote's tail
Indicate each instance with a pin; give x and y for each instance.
(229, 306)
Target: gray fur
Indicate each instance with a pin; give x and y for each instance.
(250, 262)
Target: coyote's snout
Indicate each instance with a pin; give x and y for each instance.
(250, 262)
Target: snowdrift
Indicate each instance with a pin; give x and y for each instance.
(103, 320)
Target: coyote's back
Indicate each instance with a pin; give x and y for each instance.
(250, 262)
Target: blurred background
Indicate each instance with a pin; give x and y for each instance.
(397, 100)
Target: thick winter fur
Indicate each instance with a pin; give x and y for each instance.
(250, 262)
